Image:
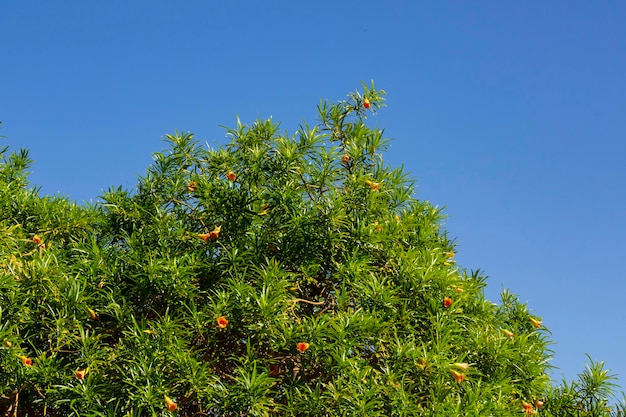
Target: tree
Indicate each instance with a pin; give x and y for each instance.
(288, 275)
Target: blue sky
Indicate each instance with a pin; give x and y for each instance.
(512, 115)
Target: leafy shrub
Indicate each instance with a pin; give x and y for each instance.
(291, 275)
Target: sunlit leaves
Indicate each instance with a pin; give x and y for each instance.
(280, 274)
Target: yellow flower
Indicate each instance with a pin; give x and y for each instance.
(535, 322)
(80, 374)
(508, 333)
(191, 187)
(171, 405)
(26, 360)
(93, 314)
(373, 185)
(459, 377)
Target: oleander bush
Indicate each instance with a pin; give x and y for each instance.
(278, 275)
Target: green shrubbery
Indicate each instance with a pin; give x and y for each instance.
(282, 274)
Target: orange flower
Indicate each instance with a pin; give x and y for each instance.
(366, 103)
(450, 255)
(538, 403)
(80, 374)
(26, 361)
(191, 187)
(373, 185)
(93, 314)
(7, 343)
(459, 377)
(457, 288)
(528, 408)
(171, 405)
(222, 322)
(508, 333)
(212, 235)
(345, 158)
(231, 176)
(37, 240)
(215, 233)
(302, 347)
(447, 302)
(535, 322)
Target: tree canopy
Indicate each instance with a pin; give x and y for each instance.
(279, 274)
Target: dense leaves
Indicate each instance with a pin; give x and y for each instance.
(281, 274)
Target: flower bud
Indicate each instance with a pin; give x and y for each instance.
(171, 405)
(458, 376)
(93, 315)
(462, 366)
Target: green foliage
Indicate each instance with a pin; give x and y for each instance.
(591, 395)
(291, 275)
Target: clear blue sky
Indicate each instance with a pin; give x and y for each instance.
(512, 115)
